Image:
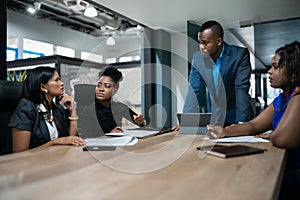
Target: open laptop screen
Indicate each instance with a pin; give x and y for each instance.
(193, 123)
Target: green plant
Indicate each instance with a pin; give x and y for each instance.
(14, 77)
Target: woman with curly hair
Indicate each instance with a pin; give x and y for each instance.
(281, 116)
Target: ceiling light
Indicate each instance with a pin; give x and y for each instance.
(76, 5)
(110, 41)
(110, 27)
(90, 11)
(31, 10)
(37, 6)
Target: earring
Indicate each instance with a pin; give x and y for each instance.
(46, 91)
(293, 78)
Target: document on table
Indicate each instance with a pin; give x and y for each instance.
(118, 141)
(135, 133)
(240, 139)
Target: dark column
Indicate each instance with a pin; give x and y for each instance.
(193, 46)
(265, 91)
(156, 77)
(3, 33)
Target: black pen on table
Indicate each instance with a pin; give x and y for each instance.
(119, 128)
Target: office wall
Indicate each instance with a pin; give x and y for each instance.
(23, 26)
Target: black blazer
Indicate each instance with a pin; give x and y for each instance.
(95, 120)
(27, 117)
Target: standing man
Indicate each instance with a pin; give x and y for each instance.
(225, 70)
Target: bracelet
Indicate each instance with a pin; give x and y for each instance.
(144, 123)
(73, 118)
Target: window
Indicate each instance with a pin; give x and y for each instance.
(125, 59)
(92, 57)
(33, 48)
(31, 54)
(12, 49)
(65, 51)
(111, 60)
(11, 53)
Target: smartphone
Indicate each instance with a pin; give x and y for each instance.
(99, 148)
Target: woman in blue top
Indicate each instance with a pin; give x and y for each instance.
(282, 116)
(46, 116)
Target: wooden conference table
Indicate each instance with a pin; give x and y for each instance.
(161, 167)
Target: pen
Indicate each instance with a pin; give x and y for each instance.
(119, 128)
(99, 148)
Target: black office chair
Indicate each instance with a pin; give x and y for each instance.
(10, 94)
(84, 95)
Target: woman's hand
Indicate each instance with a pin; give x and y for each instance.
(139, 119)
(117, 129)
(263, 136)
(68, 101)
(176, 127)
(70, 140)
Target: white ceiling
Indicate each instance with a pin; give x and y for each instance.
(173, 14)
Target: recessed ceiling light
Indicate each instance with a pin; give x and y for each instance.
(110, 41)
(90, 11)
(31, 10)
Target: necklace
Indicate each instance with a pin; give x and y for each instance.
(46, 114)
(48, 117)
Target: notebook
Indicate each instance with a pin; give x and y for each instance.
(193, 123)
(224, 151)
(157, 129)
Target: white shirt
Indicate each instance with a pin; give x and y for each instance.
(51, 126)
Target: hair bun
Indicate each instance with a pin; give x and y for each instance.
(113, 73)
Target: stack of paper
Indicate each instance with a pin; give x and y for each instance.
(240, 139)
(118, 141)
(134, 133)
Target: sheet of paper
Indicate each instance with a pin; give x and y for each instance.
(135, 133)
(240, 139)
(118, 134)
(118, 141)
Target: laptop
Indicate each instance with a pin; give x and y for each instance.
(193, 123)
(147, 131)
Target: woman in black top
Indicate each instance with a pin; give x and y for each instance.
(109, 113)
(38, 120)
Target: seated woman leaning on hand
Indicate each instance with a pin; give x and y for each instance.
(38, 121)
(282, 116)
(108, 113)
